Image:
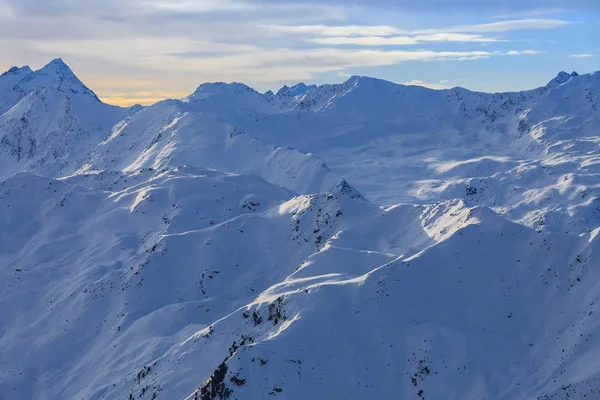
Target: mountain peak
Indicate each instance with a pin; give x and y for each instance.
(24, 70)
(344, 188)
(561, 78)
(56, 75)
(57, 61)
(210, 88)
(57, 66)
(296, 90)
(355, 80)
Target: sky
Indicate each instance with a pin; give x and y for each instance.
(142, 51)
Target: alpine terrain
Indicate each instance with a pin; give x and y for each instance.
(364, 240)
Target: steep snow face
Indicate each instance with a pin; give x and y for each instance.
(9, 91)
(359, 240)
(52, 132)
(56, 75)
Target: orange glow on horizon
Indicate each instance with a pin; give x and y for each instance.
(127, 102)
(143, 98)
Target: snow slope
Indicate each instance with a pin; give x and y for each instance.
(360, 240)
(174, 135)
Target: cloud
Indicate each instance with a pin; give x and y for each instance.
(200, 6)
(536, 12)
(144, 49)
(493, 7)
(324, 30)
(452, 33)
(581, 55)
(501, 26)
(523, 52)
(323, 59)
(366, 40)
(384, 35)
(402, 40)
(443, 84)
(455, 37)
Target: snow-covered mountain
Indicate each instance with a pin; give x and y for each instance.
(360, 240)
(52, 121)
(398, 143)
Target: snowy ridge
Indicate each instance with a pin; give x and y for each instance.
(174, 136)
(358, 240)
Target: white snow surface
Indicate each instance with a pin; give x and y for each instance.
(366, 240)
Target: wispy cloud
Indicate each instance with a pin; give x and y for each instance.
(384, 35)
(347, 30)
(443, 84)
(581, 55)
(536, 12)
(402, 40)
(455, 37)
(326, 59)
(365, 40)
(200, 6)
(501, 26)
(385, 30)
(523, 52)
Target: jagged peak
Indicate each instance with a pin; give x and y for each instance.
(296, 90)
(562, 77)
(55, 75)
(24, 70)
(344, 188)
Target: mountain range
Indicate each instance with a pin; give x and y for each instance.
(362, 240)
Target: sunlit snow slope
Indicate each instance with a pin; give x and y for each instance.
(365, 240)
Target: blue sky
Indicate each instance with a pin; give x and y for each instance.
(145, 50)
